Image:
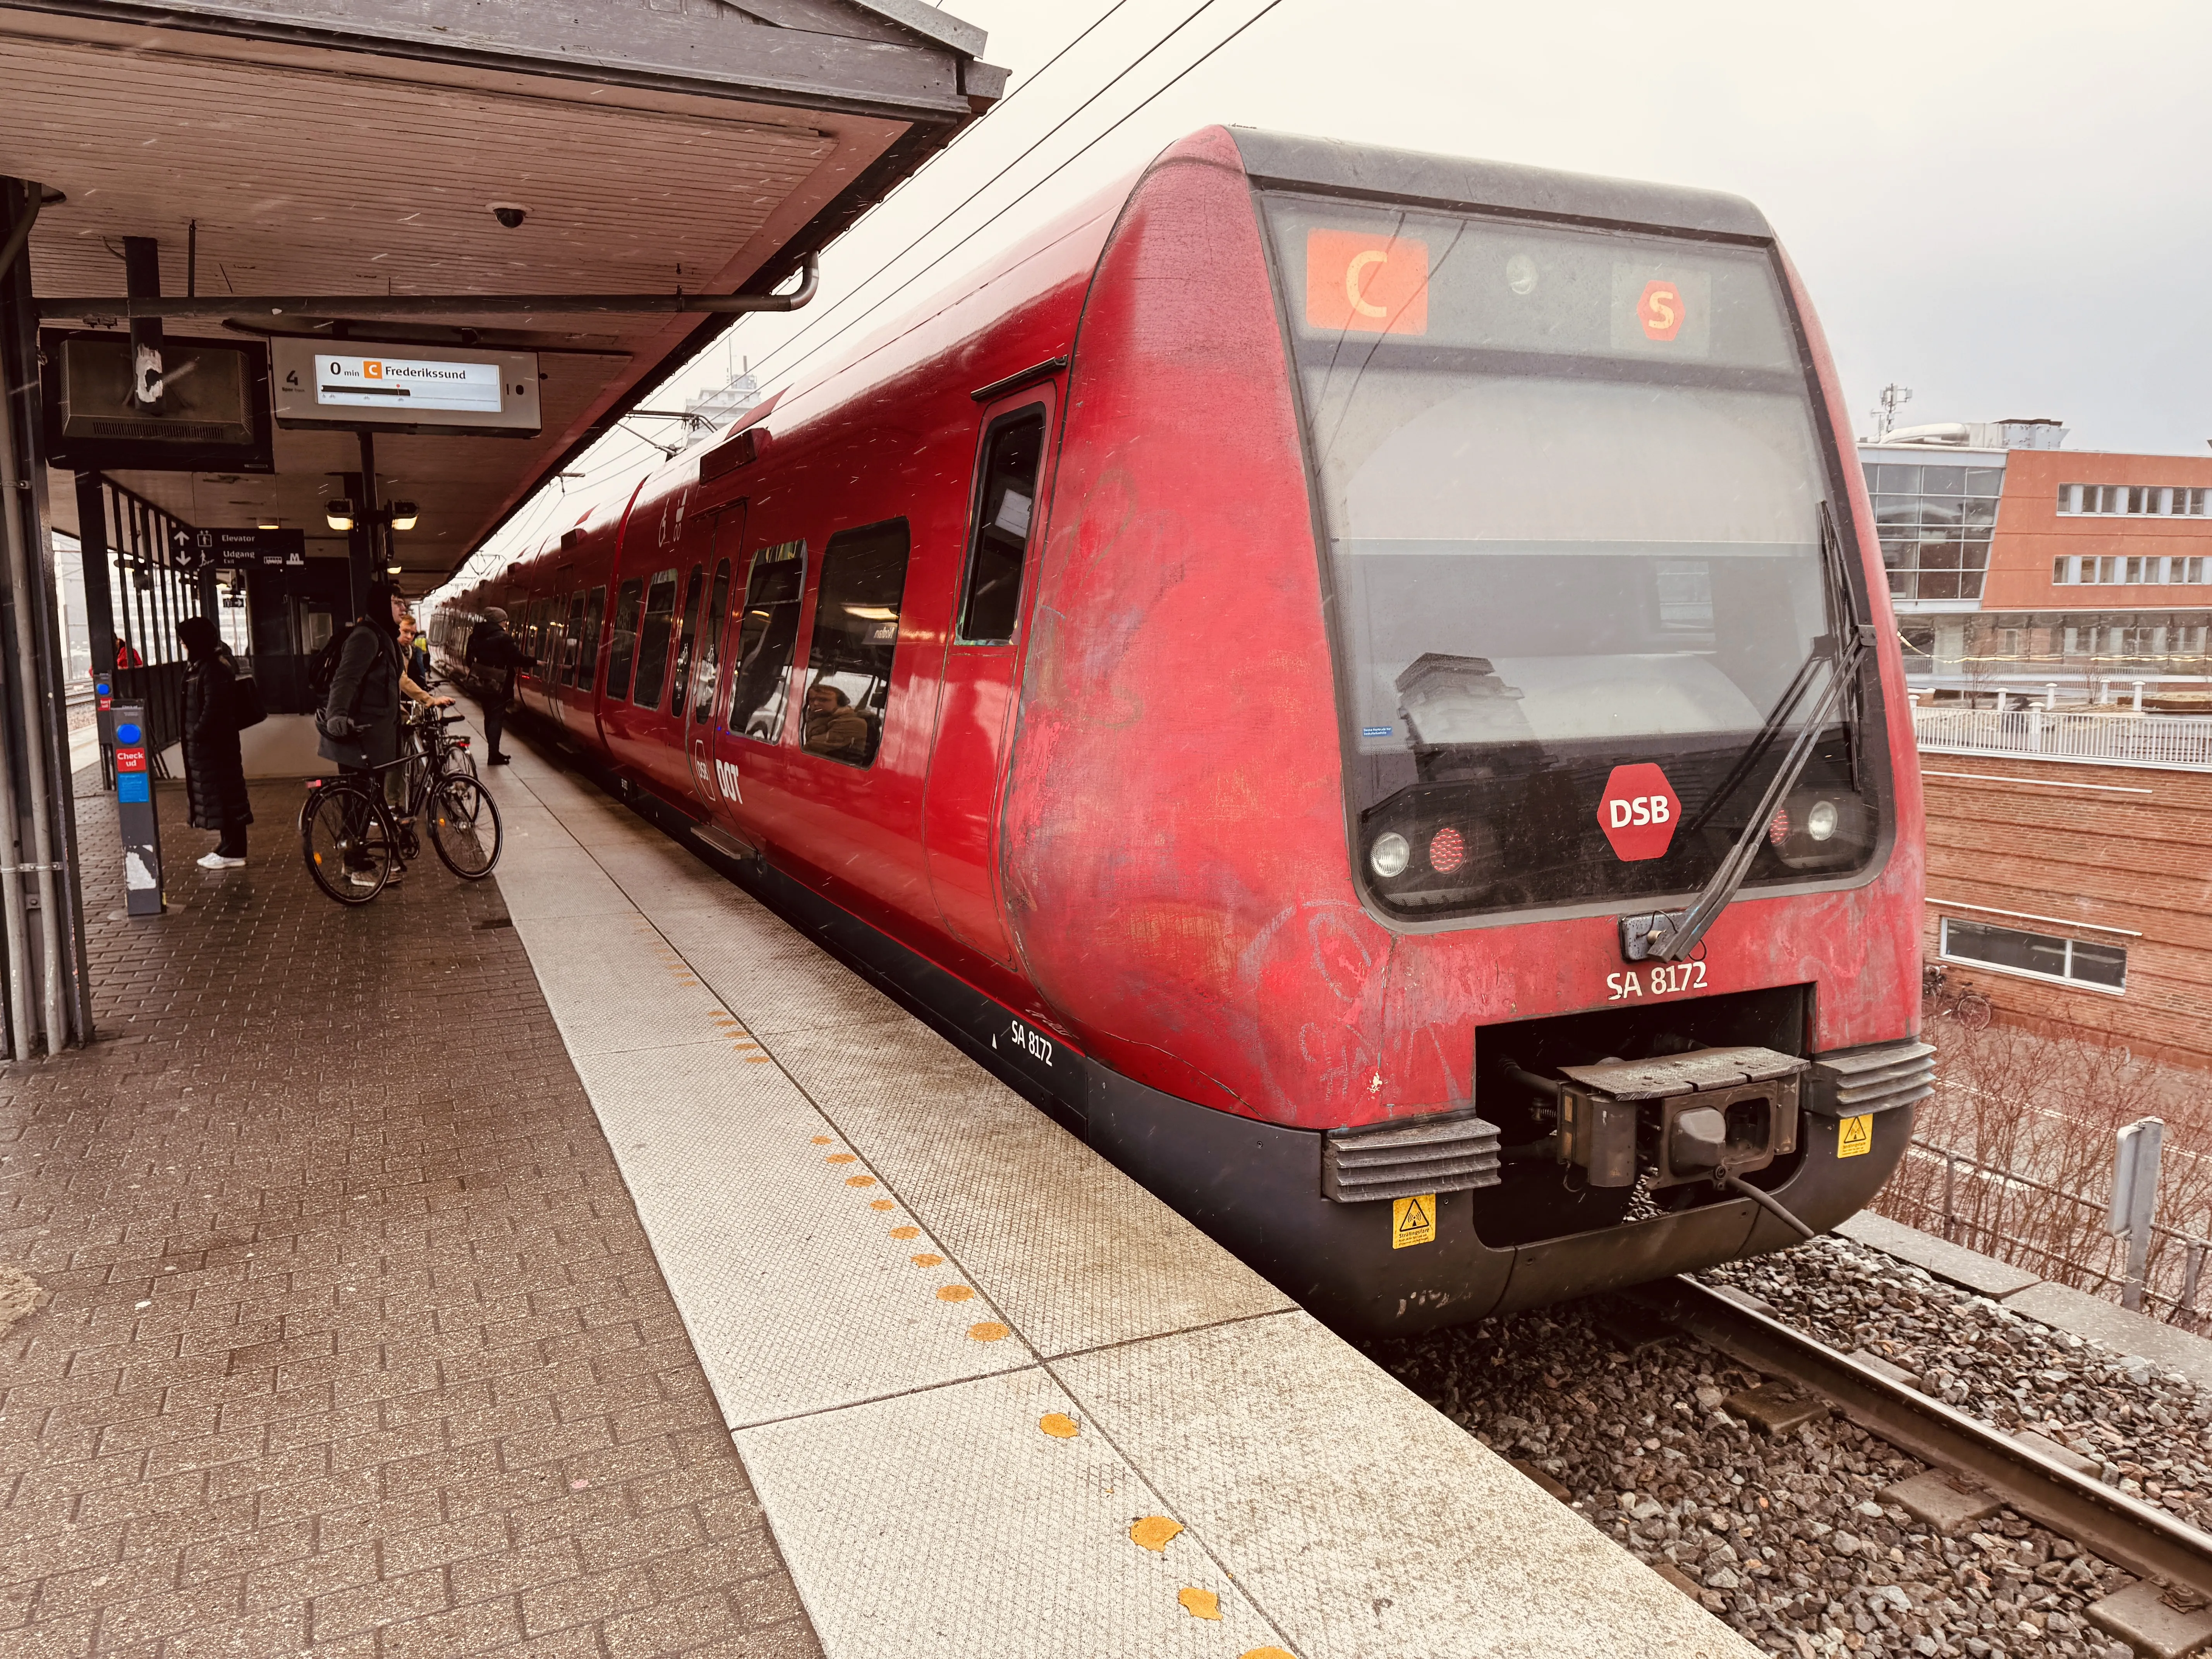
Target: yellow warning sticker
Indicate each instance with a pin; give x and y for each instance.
(1855, 1136)
(1412, 1221)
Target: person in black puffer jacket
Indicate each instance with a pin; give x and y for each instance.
(359, 719)
(215, 774)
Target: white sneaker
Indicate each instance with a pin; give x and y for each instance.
(217, 861)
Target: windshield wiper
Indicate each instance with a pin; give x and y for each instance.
(1670, 935)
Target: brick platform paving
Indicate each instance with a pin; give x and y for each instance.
(355, 1343)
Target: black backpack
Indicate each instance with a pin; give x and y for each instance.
(326, 667)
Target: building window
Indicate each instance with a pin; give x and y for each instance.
(2188, 570)
(1935, 523)
(2146, 570)
(2134, 500)
(2039, 956)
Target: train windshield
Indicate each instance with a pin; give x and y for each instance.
(1572, 494)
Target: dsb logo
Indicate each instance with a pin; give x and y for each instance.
(1621, 812)
(1637, 812)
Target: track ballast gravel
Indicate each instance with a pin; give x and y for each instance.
(1786, 1538)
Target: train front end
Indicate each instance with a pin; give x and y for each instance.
(1561, 872)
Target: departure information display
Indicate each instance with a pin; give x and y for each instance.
(389, 382)
(406, 387)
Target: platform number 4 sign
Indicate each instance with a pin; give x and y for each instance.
(1413, 1220)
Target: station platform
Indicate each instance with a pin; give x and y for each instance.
(585, 1261)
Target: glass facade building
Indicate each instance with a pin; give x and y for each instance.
(1936, 521)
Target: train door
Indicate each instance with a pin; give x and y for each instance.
(718, 631)
(553, 643)
(967, 765)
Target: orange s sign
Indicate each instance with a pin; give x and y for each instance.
(1367, 284)
(1661, 310)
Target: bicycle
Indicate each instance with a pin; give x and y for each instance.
(354, 846)
(438, 746)
(1940, 1000)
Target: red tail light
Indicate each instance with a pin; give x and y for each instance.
(1447, 850)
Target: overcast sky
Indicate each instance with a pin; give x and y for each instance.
(2003, 207)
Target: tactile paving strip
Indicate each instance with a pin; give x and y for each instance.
(951, 1524)
(1077, 1253)
(1364, 1523)
(782, 1250)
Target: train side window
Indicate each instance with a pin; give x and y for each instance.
(587, 661)
(653, 639)
(760, 687)
(856, 626)
(680, 681)
(625, 650)
(572, 647)
(1005, 504)
(709, 666)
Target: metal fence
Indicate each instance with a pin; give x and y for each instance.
(2174, 742)
(2003, 1213)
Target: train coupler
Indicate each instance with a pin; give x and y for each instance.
(1674, 1119)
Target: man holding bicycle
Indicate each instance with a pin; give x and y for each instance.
(360, 720)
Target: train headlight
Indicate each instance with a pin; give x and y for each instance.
(1389, 855)
(1820, 822)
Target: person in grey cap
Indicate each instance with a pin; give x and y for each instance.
(495, 657)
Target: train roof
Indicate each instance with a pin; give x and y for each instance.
(1404, 175)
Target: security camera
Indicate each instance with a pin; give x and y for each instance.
(509, 214)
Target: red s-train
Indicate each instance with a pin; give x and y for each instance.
(1360, 681)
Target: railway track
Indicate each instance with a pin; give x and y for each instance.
(2146, 1540)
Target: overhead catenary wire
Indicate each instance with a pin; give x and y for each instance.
(968, 200)
(1138, 109)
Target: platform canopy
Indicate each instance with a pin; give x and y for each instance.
(368, 148)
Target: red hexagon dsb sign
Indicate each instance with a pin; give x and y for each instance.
(1638, 811)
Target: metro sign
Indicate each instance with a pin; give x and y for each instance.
(1638, 810)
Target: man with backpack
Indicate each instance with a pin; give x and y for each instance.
(359, 715)
(495, 656)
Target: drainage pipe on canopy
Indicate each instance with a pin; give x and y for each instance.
(429, 305)
(28, 728)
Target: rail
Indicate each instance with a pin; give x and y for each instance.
(2168, 742)
(2145, 1539)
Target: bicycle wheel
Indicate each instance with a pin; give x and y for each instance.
(347, 841)
(459, 763)
(464, 825)
(1973, 1011)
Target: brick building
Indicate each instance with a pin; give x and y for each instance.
(2017, 565)
(2073, 892)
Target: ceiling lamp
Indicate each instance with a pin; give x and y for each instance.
(338, 512)
(403, 514)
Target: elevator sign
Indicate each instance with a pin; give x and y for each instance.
(1638, 810)
(408, 387)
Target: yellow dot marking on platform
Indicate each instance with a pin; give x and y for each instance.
(754, 1059)
(949, 1293)
(1855, 1136)
(860, 1181)
(881, 1204)
(1153, 1532)
(924, 1261)
(1413, 1220)
(842, 1157)
(905, 1232)
(1201, 1604)
(824, 1141)
(1265, 1653)
(989, 1331)
(1060, 1425)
